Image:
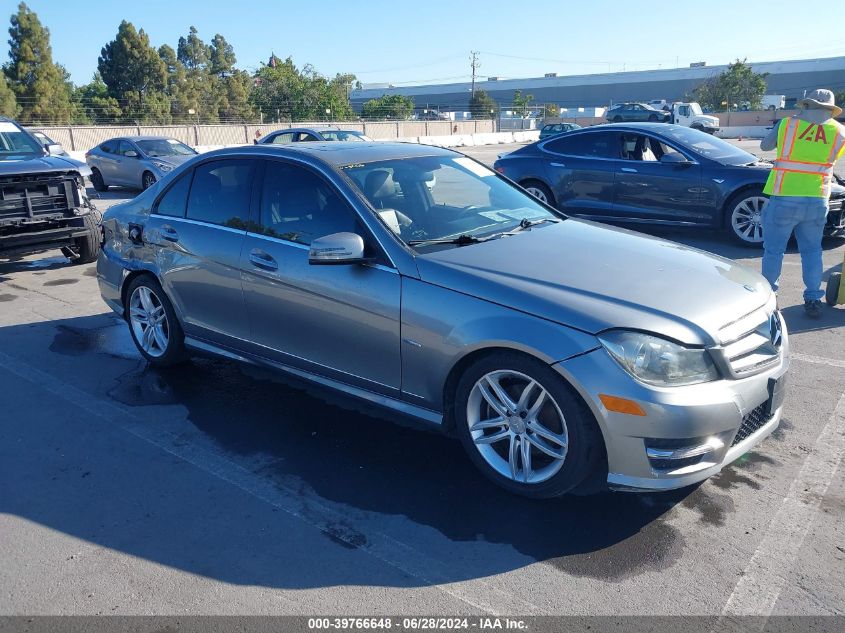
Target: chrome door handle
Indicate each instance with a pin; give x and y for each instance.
(263, 260)
(169, 233)
(629, 170)
(557, 165)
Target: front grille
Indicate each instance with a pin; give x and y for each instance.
(756, 349)
(34, 198)
(755, 420)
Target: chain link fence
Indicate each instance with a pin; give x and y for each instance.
(83, 138)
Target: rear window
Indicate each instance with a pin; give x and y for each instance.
(589, 144)
(221, 192)
(172, 203)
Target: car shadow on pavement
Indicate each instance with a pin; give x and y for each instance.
(387, 479)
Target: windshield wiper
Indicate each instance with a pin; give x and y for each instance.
(461, 240)
(525, 223)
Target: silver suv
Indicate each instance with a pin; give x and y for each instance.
(558, 350)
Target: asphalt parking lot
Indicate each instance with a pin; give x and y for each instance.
(213, 488)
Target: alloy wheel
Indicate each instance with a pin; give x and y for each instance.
(537, 193)
(148, 320)
(747, 219)
(149, 180)
(517, 426)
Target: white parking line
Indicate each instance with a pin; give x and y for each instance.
(818, 360)
(310, 509)
(767, 573)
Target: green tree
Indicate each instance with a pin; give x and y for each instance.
(192, 51)
(96, 104)
(222, 58)
(388, 107)
(282, 91)
(521, 103)
(8, 103)
(39, 85)
(232, 97)
(135, 75)
(482, 105)
(738, 84)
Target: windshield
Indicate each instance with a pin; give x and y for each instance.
(709, 146)
(342, 135)
(443, 197)
(164, 147)
(696, 109)
(15, 143)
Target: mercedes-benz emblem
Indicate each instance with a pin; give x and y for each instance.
(775, 333)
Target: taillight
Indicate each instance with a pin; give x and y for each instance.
(501, 170)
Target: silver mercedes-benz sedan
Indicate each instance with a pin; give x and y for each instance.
(559, 351)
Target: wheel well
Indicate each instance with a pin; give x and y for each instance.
(726, 218)
(128, 281)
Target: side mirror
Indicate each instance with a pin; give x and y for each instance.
(55, 149)
(336, 249)
(131, 154)
(675, 158)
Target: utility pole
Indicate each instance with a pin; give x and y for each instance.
(474, 64)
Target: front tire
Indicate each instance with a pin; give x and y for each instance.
(652, 117)
(97, 180)
(88, 247)
(153, 323)
(147, 180)
(744, 217)
(539, 191)
(524, 428)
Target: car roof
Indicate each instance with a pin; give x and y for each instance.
(635, 127)
(340, 154)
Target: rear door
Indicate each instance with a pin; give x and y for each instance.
(106, 160)
(197, 227)
(647, 189)
(580, 168)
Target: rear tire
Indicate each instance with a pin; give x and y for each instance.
(152, 322)
(97, 180)
(744, 217)
(617, 119)
(551, 425)
(831, 292)
(539, 191)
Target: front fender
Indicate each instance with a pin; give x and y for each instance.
(441, 327)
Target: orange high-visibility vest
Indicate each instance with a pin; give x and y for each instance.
(806, 154)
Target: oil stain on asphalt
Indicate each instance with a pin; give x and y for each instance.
(60, 282)
(358, 460)
(7, 297)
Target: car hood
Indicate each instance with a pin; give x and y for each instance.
(706, 118)
(42, 164)
(173, 161)
(593, 278)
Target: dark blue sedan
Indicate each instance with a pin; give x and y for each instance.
(652, 174)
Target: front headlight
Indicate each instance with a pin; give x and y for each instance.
(656, 361)
(164, 167)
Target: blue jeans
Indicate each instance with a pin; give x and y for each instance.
(806, 216)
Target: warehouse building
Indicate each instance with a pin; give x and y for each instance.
(790, 78)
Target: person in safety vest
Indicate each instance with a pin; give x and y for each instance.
(799, 187)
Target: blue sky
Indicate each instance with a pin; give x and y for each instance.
(406, 42)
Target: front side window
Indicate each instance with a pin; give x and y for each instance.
(172, 203)
(299, 206)
(221, 192)
(443, 197)
(125, 147)
(306, 136)
(586, 145)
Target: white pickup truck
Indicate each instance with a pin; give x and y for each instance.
(690, 115)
